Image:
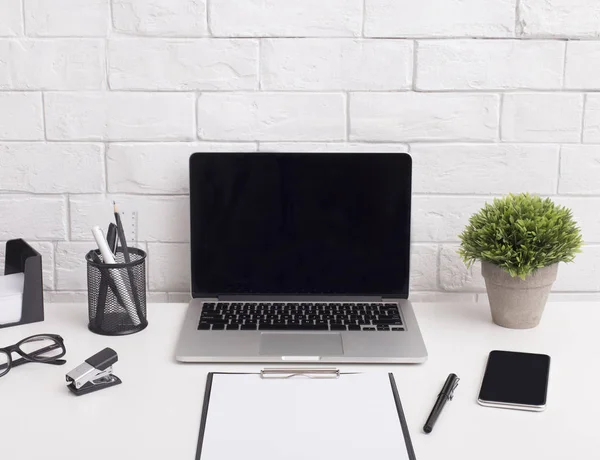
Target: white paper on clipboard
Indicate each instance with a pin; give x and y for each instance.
(353, 416)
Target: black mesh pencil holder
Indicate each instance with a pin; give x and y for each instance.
(117, 293)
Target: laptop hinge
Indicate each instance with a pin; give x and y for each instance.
(300, 298)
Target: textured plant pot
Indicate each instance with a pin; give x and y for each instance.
(517, 303)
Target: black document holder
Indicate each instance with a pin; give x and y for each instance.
(281, 374)
(22, 258)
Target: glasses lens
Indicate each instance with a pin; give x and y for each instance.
(3, 363)
(41, 348)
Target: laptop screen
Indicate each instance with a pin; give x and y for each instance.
(300, 223)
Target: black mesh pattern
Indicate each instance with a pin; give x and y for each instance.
(117, 293)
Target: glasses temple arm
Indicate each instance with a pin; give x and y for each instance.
(18, 362)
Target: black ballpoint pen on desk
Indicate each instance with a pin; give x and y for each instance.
(446, 394)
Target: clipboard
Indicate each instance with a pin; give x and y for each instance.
(295, 414)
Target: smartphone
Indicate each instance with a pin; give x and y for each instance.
(515, 380)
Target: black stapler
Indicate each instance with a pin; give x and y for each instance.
(94, 374)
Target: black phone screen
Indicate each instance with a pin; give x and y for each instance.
(515, 378)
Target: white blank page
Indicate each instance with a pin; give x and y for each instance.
(352, 417)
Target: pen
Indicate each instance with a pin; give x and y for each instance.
(103, 292)
(111, 237)
(445, 395)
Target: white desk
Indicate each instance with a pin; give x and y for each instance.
(155, 413)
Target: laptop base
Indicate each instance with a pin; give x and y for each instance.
(243, 346)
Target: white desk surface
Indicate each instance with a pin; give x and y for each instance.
(155, 413)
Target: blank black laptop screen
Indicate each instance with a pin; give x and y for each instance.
(300, 223)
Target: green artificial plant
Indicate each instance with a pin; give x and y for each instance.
(521, 233)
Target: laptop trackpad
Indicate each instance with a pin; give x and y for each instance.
(277, 344)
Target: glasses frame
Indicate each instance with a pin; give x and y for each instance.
(31, 358)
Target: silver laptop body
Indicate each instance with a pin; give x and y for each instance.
(329, 326)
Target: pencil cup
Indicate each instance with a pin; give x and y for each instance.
(117, 293)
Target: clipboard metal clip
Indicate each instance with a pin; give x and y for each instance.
(283, 373)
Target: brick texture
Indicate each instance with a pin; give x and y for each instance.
(178, 64)
(21, 116)
(336, 64)
(271, 117)
(104, 100)
(559, 18)
(580, 170)
(11, 18)
(423, 117)
(465, 168)
(163, 18)
(439, 18)
(27, 166)
(285, 18)
(35, 218)
(119, 116)
(591, 121)
(583, 65)
(489, 64)
(66, 18)
(168, 267)
(42, 64)
(542, 117)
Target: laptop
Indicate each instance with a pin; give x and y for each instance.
(300, 258)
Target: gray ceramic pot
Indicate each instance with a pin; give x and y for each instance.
(517, 303)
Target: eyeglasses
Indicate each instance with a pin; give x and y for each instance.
(42, 348)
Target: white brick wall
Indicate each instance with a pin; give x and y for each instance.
(39, 167)
(35, 218)
(542, 117)
(61, 64)
(67, 18)
(591, 122)
(489, 64)
(334, 64)
(583, 65)
(271, 116)
(484, 168)
(580, 170)
(559, 18)
(21, 116)
(183, 64)
(439, 18)
(285, 18)
(412, 116)
(105, 100)
(11, 18)
(166, 18)
(119, 116)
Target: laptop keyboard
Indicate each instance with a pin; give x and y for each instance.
(298, 316)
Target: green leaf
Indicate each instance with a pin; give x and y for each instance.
(521, 233)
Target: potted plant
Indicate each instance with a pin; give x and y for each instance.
(520, 239)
